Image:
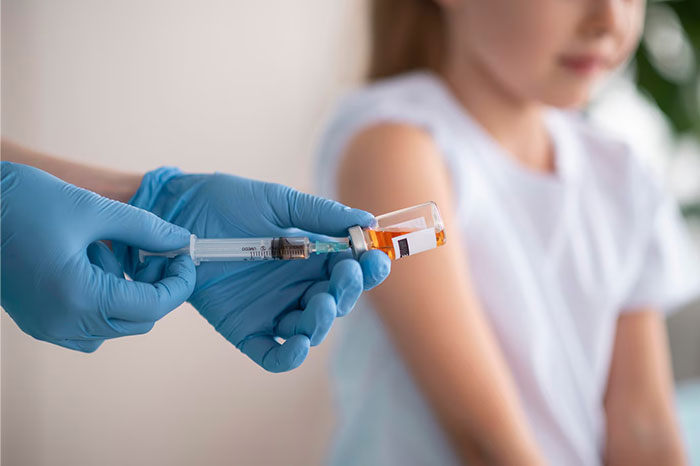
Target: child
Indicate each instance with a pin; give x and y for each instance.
(536, 335)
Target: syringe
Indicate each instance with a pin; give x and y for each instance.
(252, 249)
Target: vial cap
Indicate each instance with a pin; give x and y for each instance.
(357, 238)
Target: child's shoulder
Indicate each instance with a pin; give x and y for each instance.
(415, 85)
(407, 96)
(412, 99)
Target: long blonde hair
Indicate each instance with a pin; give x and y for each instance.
(407, 35)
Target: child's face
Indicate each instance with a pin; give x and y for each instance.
(550, 51)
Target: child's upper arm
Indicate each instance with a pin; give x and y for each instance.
(428, 304)
(388, 167)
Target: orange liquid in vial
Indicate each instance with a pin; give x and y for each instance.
(383, 240)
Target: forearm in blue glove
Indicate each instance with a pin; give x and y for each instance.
(253, 304)
(60, 283)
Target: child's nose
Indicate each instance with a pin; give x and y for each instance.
(605, 17)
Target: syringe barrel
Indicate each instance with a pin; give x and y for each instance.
(250, 249)
(239, 249)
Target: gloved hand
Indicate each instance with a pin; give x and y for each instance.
(253, 303)
(59, 283)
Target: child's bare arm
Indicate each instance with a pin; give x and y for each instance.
(429, 307)
(641, 423)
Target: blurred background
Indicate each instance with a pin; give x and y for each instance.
(243, 87)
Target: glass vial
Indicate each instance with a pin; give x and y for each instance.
(401, 233)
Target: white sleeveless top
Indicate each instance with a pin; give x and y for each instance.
(554, 260)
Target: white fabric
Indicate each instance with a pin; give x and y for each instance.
(554, 259)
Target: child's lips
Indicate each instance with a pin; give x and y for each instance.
(587, 65)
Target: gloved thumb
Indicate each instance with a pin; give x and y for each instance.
(99, 254)
(139, 228)
(318, 215)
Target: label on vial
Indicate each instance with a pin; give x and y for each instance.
(414, 242)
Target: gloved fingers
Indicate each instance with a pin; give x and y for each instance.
(107, 329)
(315, 214)
(313, 290)
(140, 228)
(345, 285)
(332, 259)
(322, 286)
(314, 321)
(376, 266)
(145, 302)
(152, 270)
(122, 328)
(100, 255)
(272, 356)
(84, 346)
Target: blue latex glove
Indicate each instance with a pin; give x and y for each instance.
(253, 303)
(59, 283)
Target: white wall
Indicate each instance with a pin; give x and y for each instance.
(235, 86)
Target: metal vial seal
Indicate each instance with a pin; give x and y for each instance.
(357, 240)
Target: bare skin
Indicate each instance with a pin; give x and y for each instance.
(120, 186)
(641, 422)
